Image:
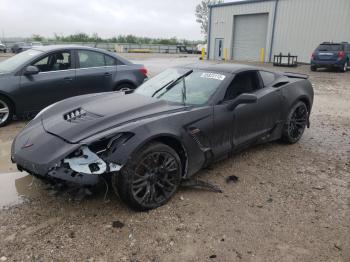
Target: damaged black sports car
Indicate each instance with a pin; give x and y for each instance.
(165, 131)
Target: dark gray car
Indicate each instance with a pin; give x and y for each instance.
(172, 126)
(41, 76)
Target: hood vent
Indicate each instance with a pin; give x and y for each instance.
(80, 115)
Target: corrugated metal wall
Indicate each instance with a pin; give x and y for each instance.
(300, 24)
(303, 24)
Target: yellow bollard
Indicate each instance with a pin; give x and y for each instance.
(225, 55)
(262, 55)
(203, 53)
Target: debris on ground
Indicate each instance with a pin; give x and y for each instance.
(232, 179)
(318, 187)
(200, 184)
(118, 224)
(212, 256)
(338, 247)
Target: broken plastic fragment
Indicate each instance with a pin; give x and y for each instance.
(87, 163)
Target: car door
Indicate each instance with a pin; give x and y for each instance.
(92, 74)
(247, 122)
(54, 82)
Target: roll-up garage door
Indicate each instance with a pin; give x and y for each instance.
(249, 36)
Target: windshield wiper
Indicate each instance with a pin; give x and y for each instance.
(184, 92)
(172, 83)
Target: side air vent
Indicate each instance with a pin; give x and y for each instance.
(199, 137)
(280, 84)
(80, 115)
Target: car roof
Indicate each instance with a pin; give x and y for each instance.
(46, 48)
(49, 48)
(221, 67)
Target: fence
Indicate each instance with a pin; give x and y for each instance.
(122, 48)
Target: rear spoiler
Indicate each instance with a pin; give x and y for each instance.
(295, 75)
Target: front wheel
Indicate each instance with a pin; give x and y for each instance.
(296, 123)
(150, 179)
(6, 111)
(313, 68)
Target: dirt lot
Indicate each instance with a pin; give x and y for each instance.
(291, 203)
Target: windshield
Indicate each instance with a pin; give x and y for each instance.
(16, 61)
(330, 47)
(194, 89)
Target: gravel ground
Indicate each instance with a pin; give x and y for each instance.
(291, 203)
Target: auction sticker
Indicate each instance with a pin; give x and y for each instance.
(213, 76)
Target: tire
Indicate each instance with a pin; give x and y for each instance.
(313, 68)
(345, 67)
(296, 123)
(150, 178)
(6, 111)
(124, 86)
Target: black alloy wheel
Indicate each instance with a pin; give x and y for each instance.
(151, 179)
(296, 123)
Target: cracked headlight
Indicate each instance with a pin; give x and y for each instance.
(109, 144)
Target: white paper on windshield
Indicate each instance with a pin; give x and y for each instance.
(213, 76)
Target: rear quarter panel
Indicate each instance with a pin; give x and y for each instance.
(297, 90)
(129, 74)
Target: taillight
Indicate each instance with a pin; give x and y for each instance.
(144, 71)
(341, 55)
(313, 55)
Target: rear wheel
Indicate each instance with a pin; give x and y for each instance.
(6, 111)
(150, 179)
(296, 123)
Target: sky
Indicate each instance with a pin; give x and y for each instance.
(107, 18)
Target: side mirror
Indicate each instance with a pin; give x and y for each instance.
(242, 99)
(31, 70)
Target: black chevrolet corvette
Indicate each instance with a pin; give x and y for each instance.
(173, 125)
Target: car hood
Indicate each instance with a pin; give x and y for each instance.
(81, 117)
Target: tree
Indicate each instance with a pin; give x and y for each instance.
(37, 38)
(202, 14)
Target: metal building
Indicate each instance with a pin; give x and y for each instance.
(254, 30)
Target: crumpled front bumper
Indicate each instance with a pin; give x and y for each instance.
(40, 153)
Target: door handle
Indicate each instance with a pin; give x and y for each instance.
(107, 74)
